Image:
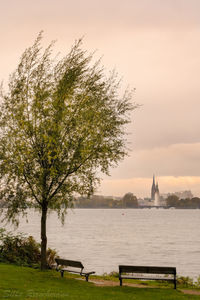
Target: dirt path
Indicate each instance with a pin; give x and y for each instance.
(191, 292)
(100, 282)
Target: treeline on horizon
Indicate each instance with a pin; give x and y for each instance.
(97, 201)
(131, 201)
(175, 201)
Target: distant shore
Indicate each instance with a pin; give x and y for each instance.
(140, 207)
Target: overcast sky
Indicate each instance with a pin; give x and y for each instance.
(155, 46)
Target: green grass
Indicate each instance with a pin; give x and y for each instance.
(26, 283)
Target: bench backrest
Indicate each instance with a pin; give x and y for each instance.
(69, 263)
(147, 269)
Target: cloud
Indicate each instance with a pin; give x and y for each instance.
(153, 44)
(114, 13)
(172, 160)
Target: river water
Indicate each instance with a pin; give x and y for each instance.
(104, 238)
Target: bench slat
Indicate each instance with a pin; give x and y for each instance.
(146, 278)
(78, 272)
(69, 263)
(147, 269)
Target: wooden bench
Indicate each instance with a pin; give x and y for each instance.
(71, 266)
(147, 273)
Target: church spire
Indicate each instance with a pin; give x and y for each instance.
(153, 189)
(157, 189)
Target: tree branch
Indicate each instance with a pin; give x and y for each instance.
(68, 174)
(30, 186)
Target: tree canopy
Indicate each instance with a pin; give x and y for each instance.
(62, 123)
(129, 200)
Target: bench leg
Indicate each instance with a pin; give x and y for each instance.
(62, 273)
(175, 283)
(86, 277)
(120, 282)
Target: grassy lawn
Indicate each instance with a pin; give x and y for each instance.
(26, 283)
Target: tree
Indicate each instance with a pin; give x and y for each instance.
(195, 202)
(172, 200)
(62, 123)
(129, 200)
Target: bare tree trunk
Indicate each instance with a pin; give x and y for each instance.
(43, 238)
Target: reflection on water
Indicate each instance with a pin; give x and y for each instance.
(104, 238)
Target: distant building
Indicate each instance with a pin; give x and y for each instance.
(145, 202)
(180, 195)
(155, 195)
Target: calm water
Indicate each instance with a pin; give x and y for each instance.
(104, 238)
